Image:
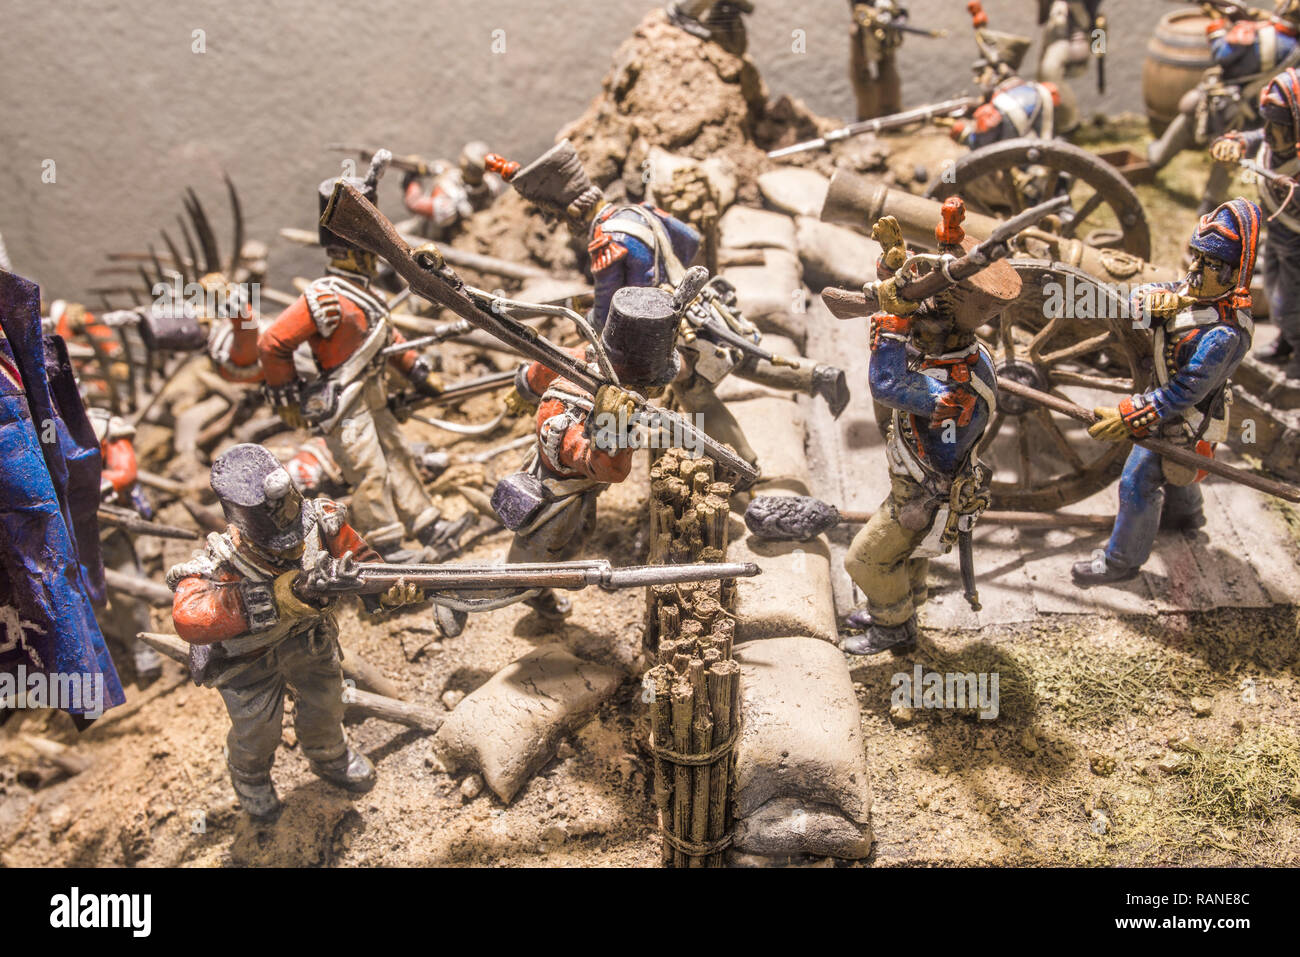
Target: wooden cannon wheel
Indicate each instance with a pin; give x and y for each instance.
(1068, 335)
(1005, 178)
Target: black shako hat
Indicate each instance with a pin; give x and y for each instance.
(258, 498)
(640, 336)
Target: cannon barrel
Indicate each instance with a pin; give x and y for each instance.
(857, 201)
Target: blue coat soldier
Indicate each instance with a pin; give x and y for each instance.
(640, 245)
(1275, 148)
(51, 574)
(1246, 54)
(1202, 331)
(942, 398)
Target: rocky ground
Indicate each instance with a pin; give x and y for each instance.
(1120, 741)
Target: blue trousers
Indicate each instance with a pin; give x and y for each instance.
(1143, 496)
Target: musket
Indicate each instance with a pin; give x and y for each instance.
(130, 522)
(407, 164)
(481, 587)
(403, 404)
(448, 330)
(921, 114)
(954, 270)
(703, 325)
(350, 215)
(883, 20)
(1233, 8)
(1168, 450)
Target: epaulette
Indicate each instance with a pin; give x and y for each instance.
(604, 250)
(324, 306)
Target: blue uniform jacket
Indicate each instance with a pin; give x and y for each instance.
(1202, 360)
(946, 417)
(619, 259)
(1237, 48)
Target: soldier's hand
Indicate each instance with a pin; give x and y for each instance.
(518, 406)
(889, 234)
(1109, 426)
(402, 593)
(612, 400)
(891, 302)
(291, 415)
(1163, 303)
(1227, 149)
(289, 601)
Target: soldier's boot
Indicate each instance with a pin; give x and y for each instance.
(550, 605)
(1276, 353)
(830, 384)
(1100, 571)
(1181, 521)
(875, 638)
(256, 794)
(352, 771)
(148, 664)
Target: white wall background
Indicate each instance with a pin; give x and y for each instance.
(115, 95)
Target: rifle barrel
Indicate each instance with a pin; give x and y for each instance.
(918, 115)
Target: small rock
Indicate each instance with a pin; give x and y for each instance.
(1100, 822)
(1183, 744)
(554, 835)
(60, 818)
(1171, 762)
(552, 797)
(452, 698)
(901, 715)
(565, 750)
(1202, 707)
(1102, 765)
(1029, 741)
(471, 787)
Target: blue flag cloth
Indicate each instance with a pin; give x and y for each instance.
(52, 652)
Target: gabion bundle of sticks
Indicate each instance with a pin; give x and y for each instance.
(694, 688)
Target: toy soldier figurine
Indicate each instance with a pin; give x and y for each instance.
(348, 328)
(640, 245)
(1014, 106)
(457, 192)
(716, 20)
(1247, 53)
(127, 615)
(1275, 153)
(253, 632)
(1202, 332)
(942, 401)
(1068, 28)
(583, 445)
(874, 40)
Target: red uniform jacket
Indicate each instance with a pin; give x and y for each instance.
(208, 608)
(575, 452)
(334, 331)
(120, 465)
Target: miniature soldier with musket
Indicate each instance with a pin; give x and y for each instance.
(1202, 332)
(254, 632)
(640, 245)
(928, 368)
(347, 325)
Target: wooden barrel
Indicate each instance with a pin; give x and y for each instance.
(1177, 56)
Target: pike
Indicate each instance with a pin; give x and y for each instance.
(352, 216)
(920, 114)
(847, 305)
(1168, 450)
